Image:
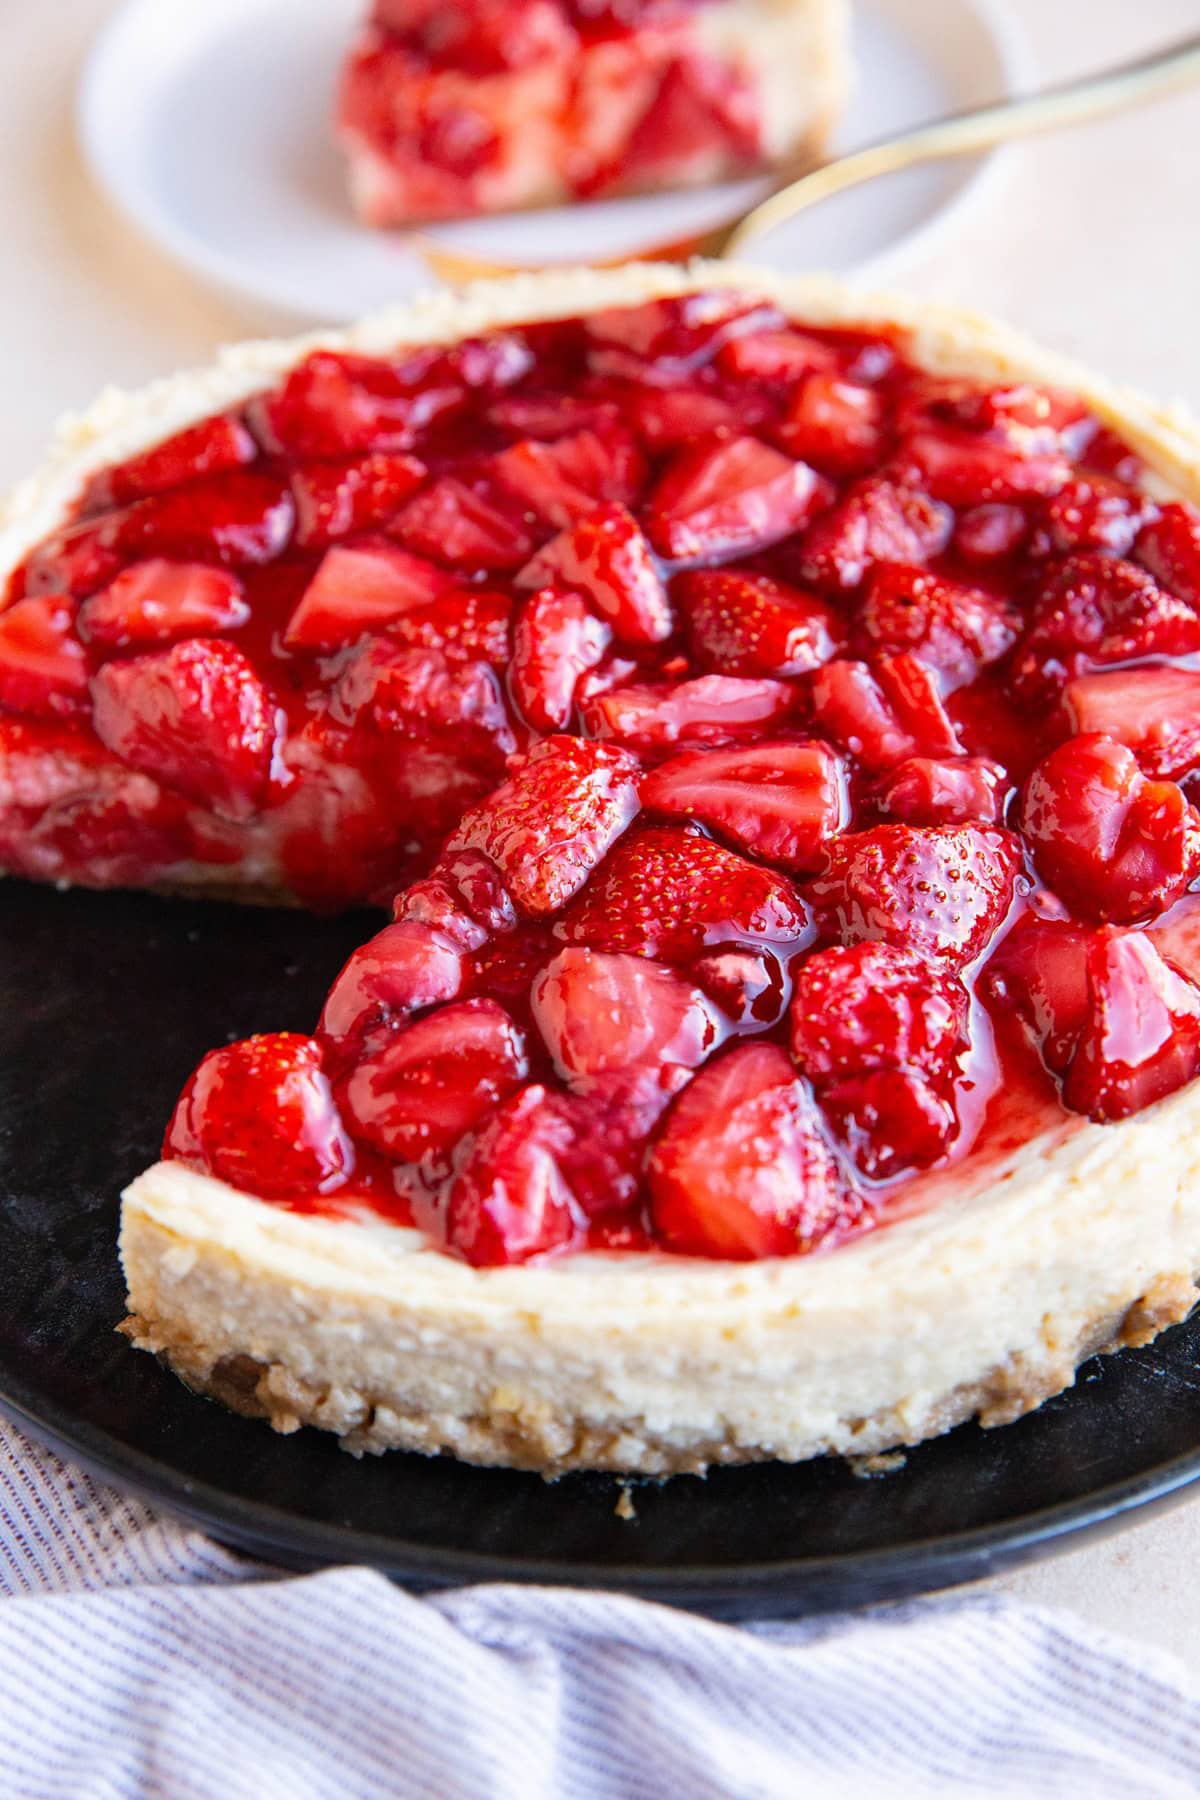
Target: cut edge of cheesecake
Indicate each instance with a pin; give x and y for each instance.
(1106, 1220)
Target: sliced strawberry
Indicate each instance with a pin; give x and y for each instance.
(875, 521)
(358, 589)
(665, 341)
(1155, 712)
(1016, 414)
(743, 624)
(603, 1014)
(1038, 974)
(882, 716)
(610, 1126)
(260, 1115)
(781, 800)
(990, 534)
(1091, 610)
(462, 899)
(967, 470)
(703, 114)
(453, 524)
(435, 1080)
(553, 820)
(155, 601)
(556, 641)
(891, 1121)
(1170, 549)
(563, 481)
(1094, 512)
(404, 967)
(742, 1170)
(942, 891)
(336, 404)
(914, 693)
(1141, 1038)
(727, 498)
(1111, 843)
(356, 493)
(869, 1006)
(956, 629)
(196, 717)
(836, 426)
(536, 413)
(209, 448)
(509, 1199)
(43, 666)
(671, 893)
(748, 985)
(964, 790)
(464, 624)
(713, 709)
(666, 418)
(775, 356)
(410, 693)
(606, 557)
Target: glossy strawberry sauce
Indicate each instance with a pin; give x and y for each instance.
(783, 758)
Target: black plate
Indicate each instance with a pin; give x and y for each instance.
(109, 1001)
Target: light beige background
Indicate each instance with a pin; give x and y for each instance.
(1091, 242)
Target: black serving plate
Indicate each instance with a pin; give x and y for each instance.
(109, 1001)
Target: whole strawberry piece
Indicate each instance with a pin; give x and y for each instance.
(196, 717)
(727, 498)
(209, 448)
(1141, 1038)
(744, 624)
(43, 666)
(712, 709)
(742, 1169)
(155, 601)
(406, 966)
(509, 1199)
(549, 825)
(876, 521)
(782, 801)
(1112, 844)
(955, 629)
(942, 891)
(670, 893)
(605, 557)
(557, 639)
(870, 1005)
(260, 1115)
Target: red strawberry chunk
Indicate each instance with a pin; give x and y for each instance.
(670, 893)
(453, 524)
(464, 624)
(1018, 413)
(1141, 1038)
(1155, 712)
(533, 413)
(1091, 610)
(260, 1115)
(875, 521)
(665, 341)
(713, 709)
(955, 629)
(335, 404)
(775, 356)
(411, 693)
(748, 985)
(556, 641)
(209, 448)
(966, 470)
(942, 891)
(891, 1121)
(837, 426)
(152, 602)
(1170, 549)
(779, 800)
(1095, 512)
(990, 534)
(563, 481)
(868, 1006)
(914, 693)
(463, 899)
(509, 1199)
(729, 497)
(742, 1169)
(601, 1014)
(43, 666)
(606, 557)
(404, 967)
(1038, 973)
(196, 717)
(665, 418)
(358, 589)
(1111, 843)
(435, 1080)
(553, 820)
(962, 791)
(882, 716)
(353, 494)
(743, 624)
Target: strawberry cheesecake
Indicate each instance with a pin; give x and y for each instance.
(476, 106)
(772, 720)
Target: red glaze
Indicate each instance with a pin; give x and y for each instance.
(778, 753)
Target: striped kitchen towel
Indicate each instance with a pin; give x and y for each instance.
(137, 1658)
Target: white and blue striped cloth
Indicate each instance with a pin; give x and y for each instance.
(137, 1658)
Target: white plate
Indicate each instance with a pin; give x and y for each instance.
(208, 124)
